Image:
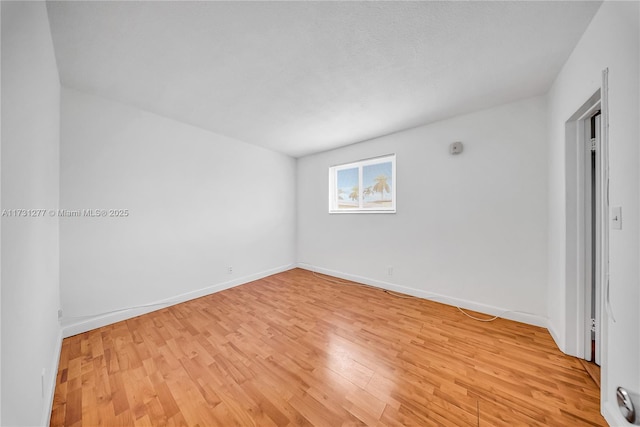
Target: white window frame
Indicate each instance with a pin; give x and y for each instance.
(334, 193)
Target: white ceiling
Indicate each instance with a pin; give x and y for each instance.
(303, 77)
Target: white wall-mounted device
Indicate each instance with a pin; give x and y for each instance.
(455, 147)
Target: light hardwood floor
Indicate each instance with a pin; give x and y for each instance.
(294, 349)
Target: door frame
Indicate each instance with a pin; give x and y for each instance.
(576, 153)
(593, 230)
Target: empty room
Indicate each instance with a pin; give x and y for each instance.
(320, 213)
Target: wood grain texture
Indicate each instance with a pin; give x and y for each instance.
(296, 350)
(593, 370)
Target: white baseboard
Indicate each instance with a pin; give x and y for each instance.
(47, 407)
(72, 327)
(556, 337)
(529, 319)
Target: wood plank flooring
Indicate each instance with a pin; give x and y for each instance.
(296, 350)
(593, 370)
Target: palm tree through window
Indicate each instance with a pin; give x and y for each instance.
(363, 186)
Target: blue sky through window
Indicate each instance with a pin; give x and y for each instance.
(347, 180)
(363, 186)
(369, 175)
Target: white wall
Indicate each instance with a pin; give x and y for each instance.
(198, 202)
(470, 227)
(611, 40)
(30, 148)
(0, 222)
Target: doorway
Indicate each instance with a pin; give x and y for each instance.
(586, 210)
(592, 209)
(586, 232)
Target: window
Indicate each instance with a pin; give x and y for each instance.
(363, 186)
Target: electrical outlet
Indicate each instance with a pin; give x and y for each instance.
(59, 313)
(230, 269)
(390, 270)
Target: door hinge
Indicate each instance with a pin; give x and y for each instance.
(593, 144)
(593, 325)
